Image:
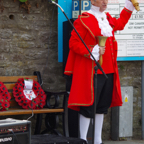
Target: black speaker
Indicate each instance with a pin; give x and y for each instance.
(15, 131)
(17, 138)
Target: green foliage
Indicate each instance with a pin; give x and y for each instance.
(22, 0)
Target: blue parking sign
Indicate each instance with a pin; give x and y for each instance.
(75, 5)
(85, 6)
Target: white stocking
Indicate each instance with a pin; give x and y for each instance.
(84, 125)
(98, 128)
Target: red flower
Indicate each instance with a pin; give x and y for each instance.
(32, 105)
(6, 96)
(36, 100)
(6, 104)
(42, 104)
(43, 97)
(25, 106)
(1, 104)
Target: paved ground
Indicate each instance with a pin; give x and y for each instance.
(125, 142)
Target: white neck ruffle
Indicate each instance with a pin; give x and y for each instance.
(106, 29)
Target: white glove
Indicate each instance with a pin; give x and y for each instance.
(129, 5)
(95, 52)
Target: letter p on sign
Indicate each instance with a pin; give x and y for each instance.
(85, 5)
(75, 4)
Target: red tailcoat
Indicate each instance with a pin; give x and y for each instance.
(80, 64)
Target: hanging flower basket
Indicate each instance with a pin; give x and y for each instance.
(25, 98)
(4, 97)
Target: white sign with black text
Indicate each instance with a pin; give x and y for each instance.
(131, 39)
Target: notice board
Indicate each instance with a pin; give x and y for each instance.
(130, 40)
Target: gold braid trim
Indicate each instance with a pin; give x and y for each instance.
(68, 71)
(127, 10)
(92, 75)
(87, 55)
(85, 25)
(91, 45)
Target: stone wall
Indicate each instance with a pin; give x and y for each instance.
(28, 43)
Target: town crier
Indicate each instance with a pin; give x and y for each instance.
(80, 65)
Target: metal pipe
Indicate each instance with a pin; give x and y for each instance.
(142, 100)
(79, 7)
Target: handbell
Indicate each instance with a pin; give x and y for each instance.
(135, 4)
(101, 42)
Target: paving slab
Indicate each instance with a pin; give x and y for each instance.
(125, 142)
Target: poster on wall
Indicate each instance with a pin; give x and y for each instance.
(131, 39)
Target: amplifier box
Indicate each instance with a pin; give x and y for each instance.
(14, 131)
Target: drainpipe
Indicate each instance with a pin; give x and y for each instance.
(142, 100)
(79, 7)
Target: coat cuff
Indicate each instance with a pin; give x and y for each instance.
(129, 5)
(95, 52)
